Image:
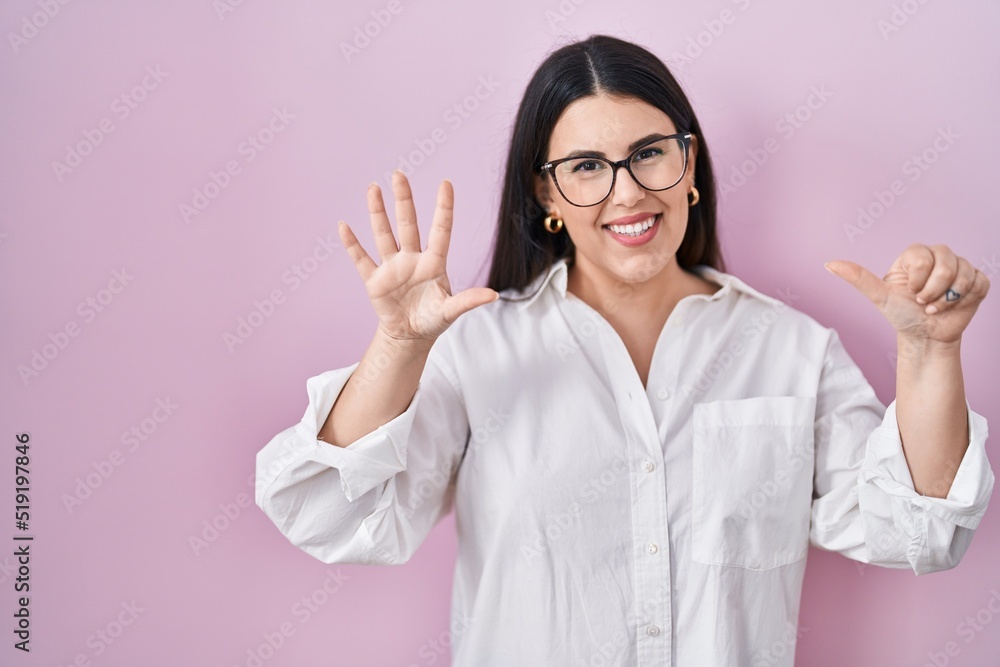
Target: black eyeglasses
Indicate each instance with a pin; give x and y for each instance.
(588, 180)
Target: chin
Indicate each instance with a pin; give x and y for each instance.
(642, 267)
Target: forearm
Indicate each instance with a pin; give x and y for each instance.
(931, 412)
(379, 390)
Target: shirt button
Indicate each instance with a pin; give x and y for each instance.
(652, 630)
(663, 394)
(653, 548)
(648, 465)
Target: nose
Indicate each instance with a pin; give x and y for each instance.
(626, 190)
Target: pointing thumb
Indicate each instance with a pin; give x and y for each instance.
(863, 280)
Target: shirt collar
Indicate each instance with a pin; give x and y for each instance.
(556, 279)
(731, 283)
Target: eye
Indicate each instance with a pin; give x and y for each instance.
(647, 153)
(587, 165)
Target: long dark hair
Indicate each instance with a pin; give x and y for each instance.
(522, 248)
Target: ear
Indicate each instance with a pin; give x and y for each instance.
(544, 192)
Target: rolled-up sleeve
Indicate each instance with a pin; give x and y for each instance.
(864, 504)
(375, 500)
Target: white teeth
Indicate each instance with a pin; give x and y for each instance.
(634, 229)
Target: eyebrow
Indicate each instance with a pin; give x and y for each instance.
(631, 147)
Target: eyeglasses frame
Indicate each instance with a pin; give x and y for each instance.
(548, 167)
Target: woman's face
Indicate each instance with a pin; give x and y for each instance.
(604, 124)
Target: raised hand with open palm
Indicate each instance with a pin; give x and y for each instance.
(409, 290)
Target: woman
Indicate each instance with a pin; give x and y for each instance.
(639, 448)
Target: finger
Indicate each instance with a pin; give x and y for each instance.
(384, 240)
(406, 213)
(982, 285)
(440, 236)
(962, 284)
(916, 262)
(863, 280)
(942, 275)
(362, 262)
(466, 300)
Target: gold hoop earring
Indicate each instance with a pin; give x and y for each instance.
(548, 225)
(696, 197)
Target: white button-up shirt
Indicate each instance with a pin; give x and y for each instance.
(603, 523)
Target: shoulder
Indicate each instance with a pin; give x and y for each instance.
(768, 315)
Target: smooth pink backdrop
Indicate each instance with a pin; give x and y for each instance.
(222, 71)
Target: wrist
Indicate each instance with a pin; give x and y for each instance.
(927, 349)
(397, 347)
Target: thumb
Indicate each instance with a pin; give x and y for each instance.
(468, 299)
(863, 280)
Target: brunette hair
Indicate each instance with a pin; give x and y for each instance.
(522, 248)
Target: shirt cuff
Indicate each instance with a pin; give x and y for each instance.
(363, 464)
(885, 466)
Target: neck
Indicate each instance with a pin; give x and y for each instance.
(615, 298)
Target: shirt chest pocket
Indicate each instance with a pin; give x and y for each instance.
(752, 481)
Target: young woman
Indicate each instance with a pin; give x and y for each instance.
(639, 447)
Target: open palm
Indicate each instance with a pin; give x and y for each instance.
(409, 290)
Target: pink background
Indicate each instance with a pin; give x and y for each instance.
(161, 336)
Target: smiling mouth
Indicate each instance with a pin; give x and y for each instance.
(635, 229)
